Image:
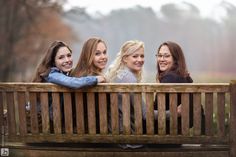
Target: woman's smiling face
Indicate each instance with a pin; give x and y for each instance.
(100, 57)
(165, 59)
(63, 59)
(135, 61)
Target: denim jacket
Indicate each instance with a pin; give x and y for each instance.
(58, 77)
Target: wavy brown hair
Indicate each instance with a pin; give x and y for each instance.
(48, 61)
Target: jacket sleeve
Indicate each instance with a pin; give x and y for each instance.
(71, 82)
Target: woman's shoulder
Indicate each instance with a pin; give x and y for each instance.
(172, 77)
(126, 76)
(54, 69)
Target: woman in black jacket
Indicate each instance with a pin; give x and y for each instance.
(171, 68)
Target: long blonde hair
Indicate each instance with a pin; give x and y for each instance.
(127, 49)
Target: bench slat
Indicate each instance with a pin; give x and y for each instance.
(161, 113)
(157, 139)
(114, 114)
(103, 113)
(138, 113)
(150, 113)
(197, 113)
(33, 113)
(221, 114)
(79, 105)
(45, 112)
(11, 120)
(209, 113)
(22, 112)
(185, 113)
(173, 114)
(91, 113)
(108, 87)
(56, 107)
(68, 113)
(126, 113)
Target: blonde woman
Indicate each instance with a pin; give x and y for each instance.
(127, 68)
(128, 65)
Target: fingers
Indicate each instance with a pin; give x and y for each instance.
(101, 79)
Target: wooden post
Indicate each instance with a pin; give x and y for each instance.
(233, 119)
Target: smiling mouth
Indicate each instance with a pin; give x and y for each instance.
(103, 62)
(67, 65)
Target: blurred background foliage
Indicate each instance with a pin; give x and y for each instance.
(29, 26)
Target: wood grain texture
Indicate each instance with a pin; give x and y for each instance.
(15, 96)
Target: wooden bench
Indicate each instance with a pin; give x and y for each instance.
(28, 129)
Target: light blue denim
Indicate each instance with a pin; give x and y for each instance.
(58, 77)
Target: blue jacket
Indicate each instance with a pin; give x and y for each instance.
(60, 78)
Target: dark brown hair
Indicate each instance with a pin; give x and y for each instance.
(48, 61)
(179, 66)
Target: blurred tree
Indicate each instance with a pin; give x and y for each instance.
(27, 28)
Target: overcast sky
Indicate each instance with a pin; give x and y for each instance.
(207, 7)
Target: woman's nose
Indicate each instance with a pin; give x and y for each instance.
(67, 59)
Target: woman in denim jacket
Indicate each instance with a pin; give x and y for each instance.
(55, 67)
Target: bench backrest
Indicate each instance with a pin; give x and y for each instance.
(30, 107)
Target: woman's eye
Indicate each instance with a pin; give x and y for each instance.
(97, 53)
(61, 57)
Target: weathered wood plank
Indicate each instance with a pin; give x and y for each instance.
(197, 118)
(114, 114)
(221, 114)
(33, 113)
(93, 151)
(150, 113)
(68, 113)
(45, 112)
(126, 113)
(22, 113)
(11, 113)
(5, 121)
(79, 113)
(155, 139)
(161, 113)
(91, 113)
(185, 113)
(173, 114)
(109, 87)
(138, 113)
(103, 113)
(209, 113)
(56, 107)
